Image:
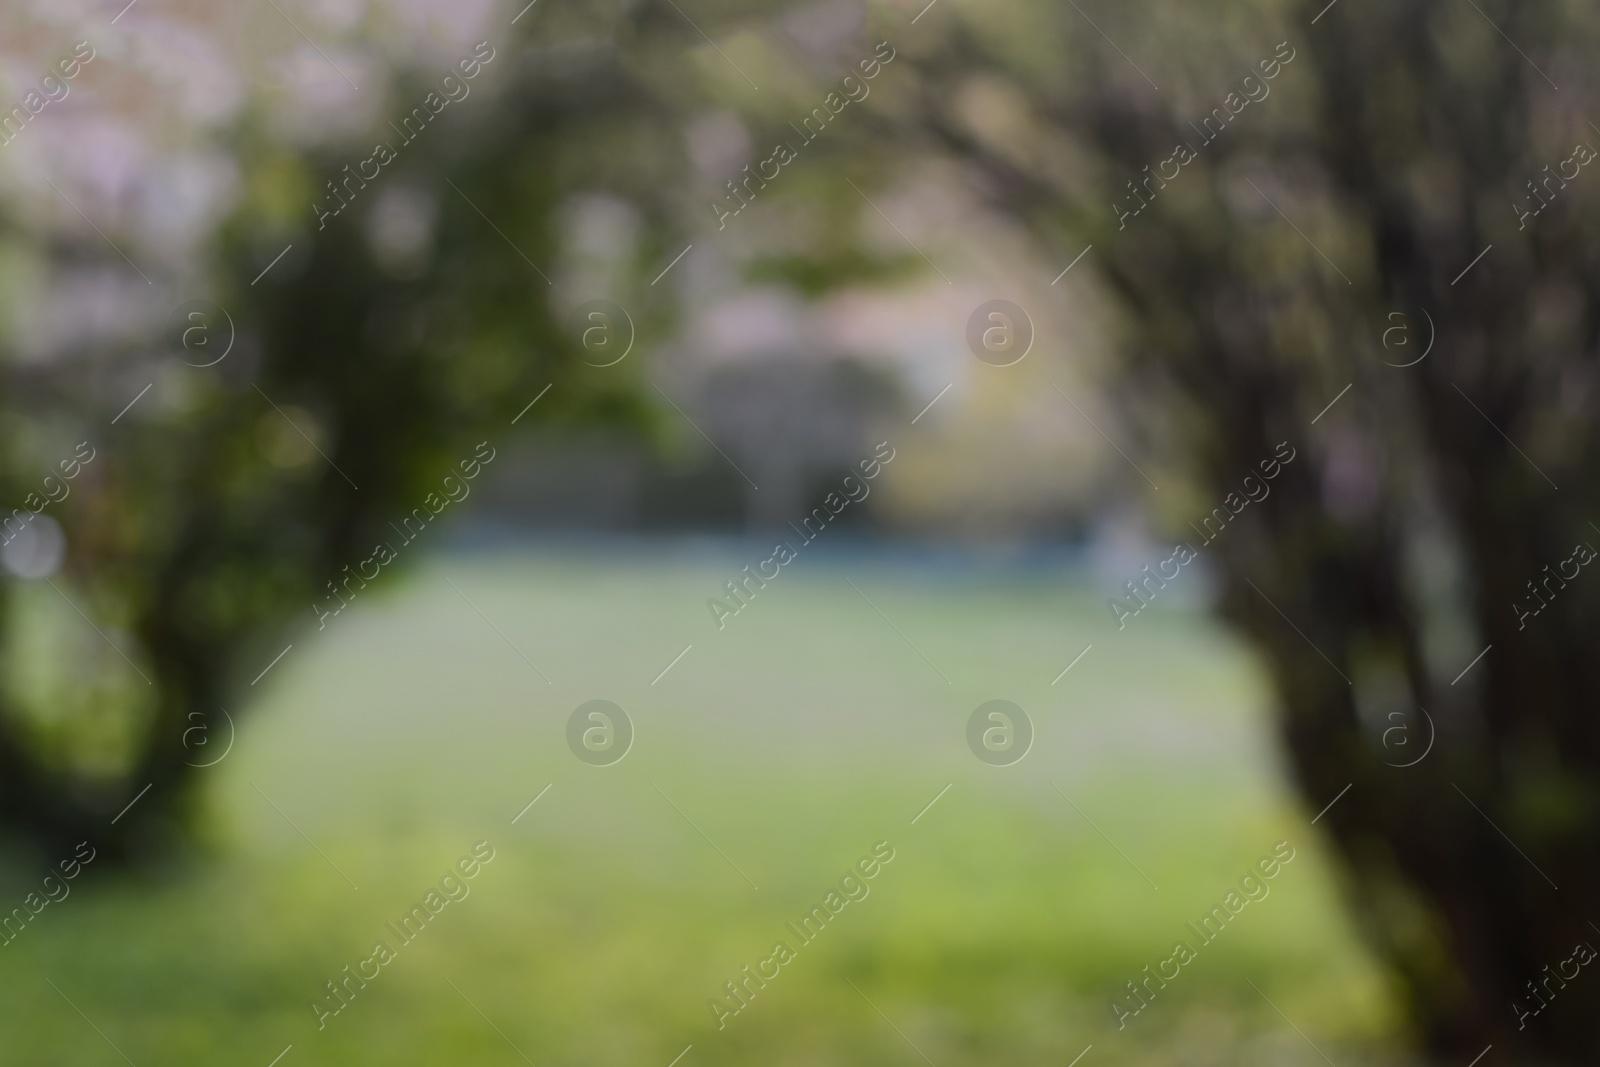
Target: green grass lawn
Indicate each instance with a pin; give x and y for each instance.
(792, 741)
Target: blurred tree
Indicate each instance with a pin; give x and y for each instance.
(1259, 278)
(1389, 148)
(227, 512)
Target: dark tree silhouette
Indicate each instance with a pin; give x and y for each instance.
(1416, 525)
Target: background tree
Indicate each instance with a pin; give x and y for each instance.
(1256, 285)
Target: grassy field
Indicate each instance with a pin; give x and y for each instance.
(767, 760)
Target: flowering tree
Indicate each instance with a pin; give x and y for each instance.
(218, 438)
